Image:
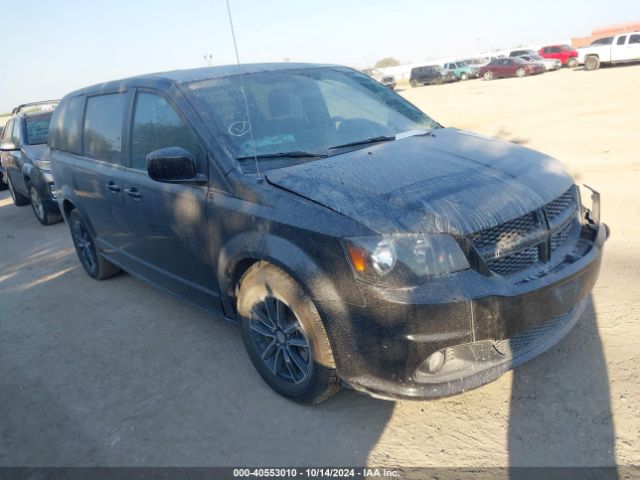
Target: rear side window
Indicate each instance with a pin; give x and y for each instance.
(102, 132)
(65, 127)
(621, 40)
(157, 125)
(634, 39)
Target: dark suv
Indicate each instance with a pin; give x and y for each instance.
(25, 160)
(356, 240)
(433, 74)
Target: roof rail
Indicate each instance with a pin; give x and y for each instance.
(19, 108)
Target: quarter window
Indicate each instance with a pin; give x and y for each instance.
(102, 138)
(634, 39)
(157, 125)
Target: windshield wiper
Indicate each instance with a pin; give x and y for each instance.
(364, 142)
(295, 154)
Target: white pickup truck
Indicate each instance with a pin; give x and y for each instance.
(622, 48)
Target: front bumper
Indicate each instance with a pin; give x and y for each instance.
(485, 326)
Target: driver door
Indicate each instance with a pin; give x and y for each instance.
(169, 221)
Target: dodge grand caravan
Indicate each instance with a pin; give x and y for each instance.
(354, 239)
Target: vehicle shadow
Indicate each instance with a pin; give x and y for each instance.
(560, 413)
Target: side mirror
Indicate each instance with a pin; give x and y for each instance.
(173, 165)
(8, 146)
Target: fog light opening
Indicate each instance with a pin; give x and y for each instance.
(435, 361)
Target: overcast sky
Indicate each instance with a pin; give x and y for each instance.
(52, 47)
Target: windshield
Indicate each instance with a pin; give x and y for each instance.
(301, 110)
(37, 129)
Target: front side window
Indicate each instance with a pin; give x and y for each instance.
(302, 110)
(102, 133)
(15, 135)
(555, 49)
(37, 129)
(8, 131)
(157, 125)
(621, 40)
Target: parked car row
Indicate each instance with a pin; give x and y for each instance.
(24, 157)
(336, 222)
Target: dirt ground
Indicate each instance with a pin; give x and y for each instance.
(118, 373)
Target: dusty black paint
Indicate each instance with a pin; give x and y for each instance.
(194, 239)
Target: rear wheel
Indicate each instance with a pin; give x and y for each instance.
(438, 81)
(44, 217)
(521, 72)
(284, 336)
(19, 200)
(572, 62)
(96, 266)
(413, 83)
(488, 75)
(591, 63)
(464, 76)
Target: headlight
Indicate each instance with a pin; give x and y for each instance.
(42, 164)
(403, 260)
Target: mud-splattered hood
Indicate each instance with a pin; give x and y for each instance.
(452, 181)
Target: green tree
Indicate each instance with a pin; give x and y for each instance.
(387, 62)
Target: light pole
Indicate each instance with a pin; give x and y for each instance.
(208, 58)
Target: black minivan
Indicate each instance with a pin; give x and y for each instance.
(356, 240)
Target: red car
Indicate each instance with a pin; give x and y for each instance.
(509, 67)
(565, 53)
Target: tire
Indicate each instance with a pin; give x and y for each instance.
(95, 266)
(413, 83)
(591, 63)
(521, 72)
(488, 75)
(572, 62)
(19, 200)
(464, 76)
(438, 81)
(3, 186)
(44, 217)
(291, 352)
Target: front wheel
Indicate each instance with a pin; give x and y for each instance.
(488, 75)
(19, 200)
(413, 83)
(438, 81)
(521, 72)
(96, 266)
(284, 336)
(44, 217)
(572, 62)
(464, 76)
(591, 63)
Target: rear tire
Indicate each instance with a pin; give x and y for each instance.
(488, 75)
(438, 81)
(464, 76)
(413, 83)
(19, 200)
(284, 336)
(572, 62)
(44, 217)
(521, 72)
(591, 63)
(95, 266)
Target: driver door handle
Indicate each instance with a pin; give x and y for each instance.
(133, 193)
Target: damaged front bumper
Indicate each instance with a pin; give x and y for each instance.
(419, 346)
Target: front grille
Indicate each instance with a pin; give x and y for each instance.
(506, 233)
(519, 244)
(524, 340)
(514, 262)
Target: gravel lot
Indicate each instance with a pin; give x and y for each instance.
(118, 373)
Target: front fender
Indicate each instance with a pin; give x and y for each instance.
(256, 246)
